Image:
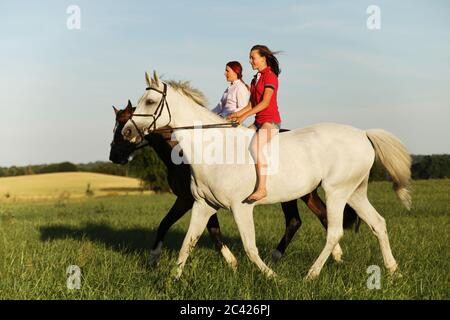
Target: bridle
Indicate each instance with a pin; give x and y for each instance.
(160, 108)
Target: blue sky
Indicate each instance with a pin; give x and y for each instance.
(57, 85)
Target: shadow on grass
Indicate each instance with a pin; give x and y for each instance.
(125, 241)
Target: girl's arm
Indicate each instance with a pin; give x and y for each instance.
(218, 108)
(238, 114)
(242, 97)
(268, 93)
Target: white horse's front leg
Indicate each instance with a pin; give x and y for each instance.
(243, 215)
(201, 212)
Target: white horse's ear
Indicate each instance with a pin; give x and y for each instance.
(155, 78)
(148, 79)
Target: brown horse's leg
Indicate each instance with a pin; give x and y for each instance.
(293, 223)
(214, 232)
(216, 236)
(317, 206)
(179, 209)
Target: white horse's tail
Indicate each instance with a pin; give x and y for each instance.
(396, 159)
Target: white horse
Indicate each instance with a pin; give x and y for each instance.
(336, 156)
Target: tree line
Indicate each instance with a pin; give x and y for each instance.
(146, 165)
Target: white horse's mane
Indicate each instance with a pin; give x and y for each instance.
(194, 94)
(188, 90)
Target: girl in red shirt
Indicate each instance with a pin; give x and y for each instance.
(262, 104)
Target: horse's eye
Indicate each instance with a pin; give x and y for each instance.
(149, 102)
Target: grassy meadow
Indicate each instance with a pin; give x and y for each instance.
(109, 239)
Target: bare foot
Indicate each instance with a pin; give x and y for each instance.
(257, 195)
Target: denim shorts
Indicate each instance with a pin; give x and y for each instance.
(259, 125)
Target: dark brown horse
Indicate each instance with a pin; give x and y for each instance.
(179, 179)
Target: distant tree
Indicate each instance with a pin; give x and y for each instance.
(420, 168)
(29, 170)
(58, 167)
(431, 167)
(423, 167)
(104, 167)
(378, 172)
(440, 166)
(147, 166)
(15, 171)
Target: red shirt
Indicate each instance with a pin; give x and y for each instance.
(267, 79)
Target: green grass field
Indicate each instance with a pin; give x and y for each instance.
(109, 239)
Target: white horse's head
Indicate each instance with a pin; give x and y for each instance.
(151, 112)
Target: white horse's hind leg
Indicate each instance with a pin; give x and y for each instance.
(243, 215)
(335, 211)
(337, 253)
(376, 222)
(229, 257)
(201, 212)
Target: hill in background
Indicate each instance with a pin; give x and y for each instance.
(67, 185)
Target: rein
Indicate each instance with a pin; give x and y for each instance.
(207, 126)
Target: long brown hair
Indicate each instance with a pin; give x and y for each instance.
(271, 60)
(237, 67)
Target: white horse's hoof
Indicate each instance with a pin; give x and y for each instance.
(337, 254)
(276, 256)
(392, 269)
(233, 264)
(396, 275)
(339, 261)
(312, 275)
(229, 258)
(177, 273)
(394, 272)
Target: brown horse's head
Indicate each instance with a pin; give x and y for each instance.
(121, 149)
